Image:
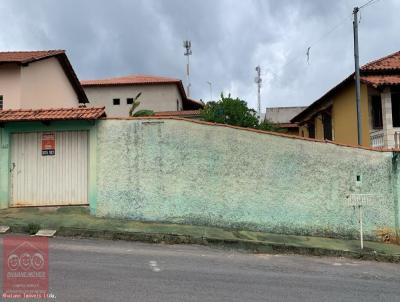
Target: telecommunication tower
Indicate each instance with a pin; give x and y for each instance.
(188, 46)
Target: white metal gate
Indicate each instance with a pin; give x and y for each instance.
(43, 177)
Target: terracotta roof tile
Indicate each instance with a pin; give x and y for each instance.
(178, 113)
(390, 62)
(52, 114)
(27, 56)
(381, 80)
(130, 80)
(381, 72)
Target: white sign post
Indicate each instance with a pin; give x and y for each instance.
(359, 201)
(360, 221)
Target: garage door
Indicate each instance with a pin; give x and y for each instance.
(49, 168)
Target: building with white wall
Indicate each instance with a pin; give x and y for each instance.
(38, 79)
(157, 93)
(281, 116)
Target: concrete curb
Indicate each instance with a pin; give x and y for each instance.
(253, 246)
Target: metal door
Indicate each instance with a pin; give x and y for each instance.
(45, 173)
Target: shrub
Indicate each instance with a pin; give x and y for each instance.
(143, 112)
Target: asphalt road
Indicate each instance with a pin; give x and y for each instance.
(98, 270)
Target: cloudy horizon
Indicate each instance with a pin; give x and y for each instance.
(229, 39)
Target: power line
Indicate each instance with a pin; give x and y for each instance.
(330, 31)
(370, 2)
(366, 4)
(324, 36)
(315, 42)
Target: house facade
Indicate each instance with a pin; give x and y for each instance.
(160, 94)
(281, 116)
(47, 135)
(38, 79)
(334, 116)
(48, 156)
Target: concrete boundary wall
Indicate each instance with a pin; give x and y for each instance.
(190, 172)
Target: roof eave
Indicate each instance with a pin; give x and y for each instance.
(36, 115)
(69, 71)
(89, 85)
(65, 64)
(308, 111)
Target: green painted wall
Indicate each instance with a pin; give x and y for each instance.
(179, 171)
(18, 127)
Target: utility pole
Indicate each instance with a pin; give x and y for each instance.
(188, 46)
(258, 81)
(211, 95)
(357, 74)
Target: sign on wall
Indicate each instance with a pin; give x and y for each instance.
(48, 143)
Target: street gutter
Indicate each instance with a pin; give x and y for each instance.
(253, 246)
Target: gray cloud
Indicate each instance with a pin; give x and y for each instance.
(229, 38)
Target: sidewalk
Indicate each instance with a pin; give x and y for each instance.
(76, 221)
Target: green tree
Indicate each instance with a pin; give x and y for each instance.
(235, 112)
(268, 126)
(230, 111)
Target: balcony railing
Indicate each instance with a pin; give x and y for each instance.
(378, 139)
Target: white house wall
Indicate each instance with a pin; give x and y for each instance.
(10, 85)
(44, 84)
(154, 97)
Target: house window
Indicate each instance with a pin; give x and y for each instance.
(129, 101)
(396, 109)
(327, 123)
(311, 130)
(116, 101)
(177, 105)
(1, 102)
(376, 112)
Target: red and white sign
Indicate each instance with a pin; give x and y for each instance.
(25, 267)
(48, 143)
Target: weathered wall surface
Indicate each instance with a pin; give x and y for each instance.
(180, 171)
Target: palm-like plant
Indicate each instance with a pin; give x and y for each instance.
(135, 104)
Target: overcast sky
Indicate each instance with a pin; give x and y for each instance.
(229, 38)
